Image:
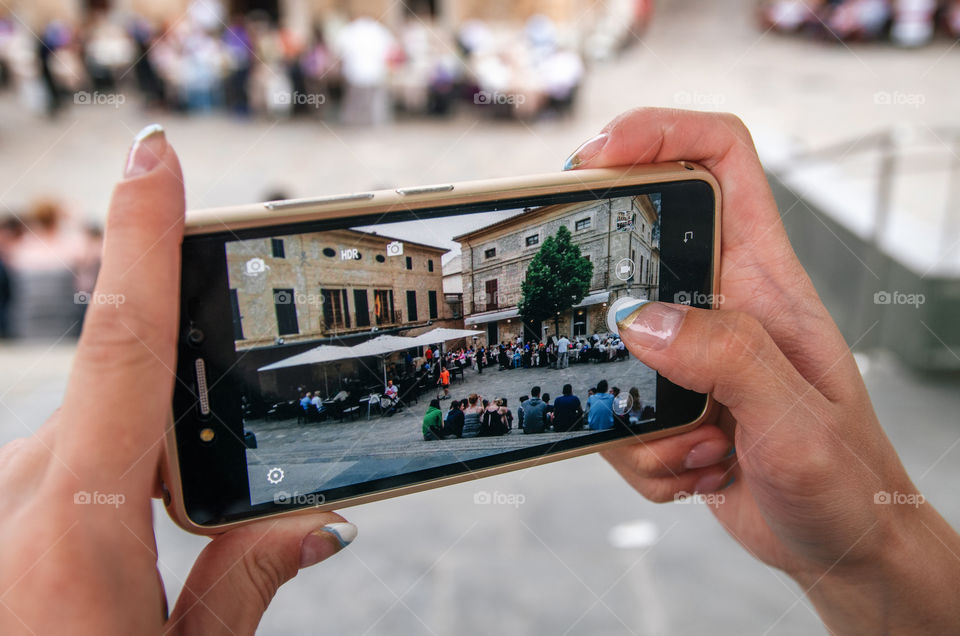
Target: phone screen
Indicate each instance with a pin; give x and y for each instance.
(359, 356)
(393, 348)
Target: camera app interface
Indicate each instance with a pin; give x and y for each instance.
(374, 352)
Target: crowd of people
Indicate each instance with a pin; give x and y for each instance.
(476, 416)
(357, 70)
(48, 266)
(905, 22)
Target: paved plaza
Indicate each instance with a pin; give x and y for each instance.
(323, 455)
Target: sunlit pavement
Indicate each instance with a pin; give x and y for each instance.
(539, 561)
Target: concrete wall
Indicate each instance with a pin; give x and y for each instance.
(849, 271)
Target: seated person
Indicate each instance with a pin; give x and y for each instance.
(534, 413)
(432, 427)
(567, 411)
(600, 408)
(391, 391)
(453, 422)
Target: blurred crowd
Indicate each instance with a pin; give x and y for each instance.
(905, 22)
(355, 70)
(48, 267)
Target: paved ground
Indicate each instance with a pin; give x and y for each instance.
(330, 454)
(436, 562)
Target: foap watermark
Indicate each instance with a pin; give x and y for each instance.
(296, 98)
(98, 298)
(286, 297)
(697, 298)
(698, 99)
(96, 98)
(898, 298)
(96, 498)
(488, 98)
(497, 498)
(714, 499)
(295, 498)
(885, 498)
(899, 98)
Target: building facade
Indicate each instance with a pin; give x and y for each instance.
(333, 285)
(620, 237)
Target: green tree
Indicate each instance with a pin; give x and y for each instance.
(557, 278)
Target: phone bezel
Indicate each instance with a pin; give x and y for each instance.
(196, 475)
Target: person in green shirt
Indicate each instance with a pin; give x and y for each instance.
(433, 421)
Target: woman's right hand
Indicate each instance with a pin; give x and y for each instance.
(812, 462)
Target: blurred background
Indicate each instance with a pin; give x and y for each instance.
(854, 110)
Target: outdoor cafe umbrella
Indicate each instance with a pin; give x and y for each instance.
(317, 355)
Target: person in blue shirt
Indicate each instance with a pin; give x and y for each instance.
(305, 400)
(567, 412)
(600, 408)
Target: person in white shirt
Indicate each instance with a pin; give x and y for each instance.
(563, 351)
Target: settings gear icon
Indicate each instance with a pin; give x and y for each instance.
(275, 475)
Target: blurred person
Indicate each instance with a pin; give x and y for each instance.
(453, 422)
(108, 51)
(523, 398)
(306, 400)
(444, 382)
(534, 413)
(10, 230)
(567, 411)
(238, 60)
(563, 352)
(635, 414)
(149, 83)
(506, 413)
(600, 408)
(492, 423)
(44, 265)
(913, 22)
(472, 413)
(432, 426)
(391, 391)
(364, 47)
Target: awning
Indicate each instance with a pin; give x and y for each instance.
(479, 319)
(442, 334)
(594, 299)
(317, 355)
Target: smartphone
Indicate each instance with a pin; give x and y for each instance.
(324, 342)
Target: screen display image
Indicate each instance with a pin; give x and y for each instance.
(377, 351)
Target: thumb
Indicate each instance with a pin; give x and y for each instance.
(729, 355)
(237, 574)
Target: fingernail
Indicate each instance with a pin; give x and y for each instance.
(587, 151)
(145, 153)
(653, 325)
(325, 542)
(712, 483)
(706, 454)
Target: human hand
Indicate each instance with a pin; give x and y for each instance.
(811, 456)
(66, 567)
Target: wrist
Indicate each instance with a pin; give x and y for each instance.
(907, 584)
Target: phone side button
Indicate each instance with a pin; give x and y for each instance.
(446, 187)
(300, 203)
(201, 370)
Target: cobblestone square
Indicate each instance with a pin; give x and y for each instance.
(327, 454)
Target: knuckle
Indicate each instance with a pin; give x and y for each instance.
(738, 339)
(265, 573)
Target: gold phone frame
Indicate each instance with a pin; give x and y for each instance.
(215, 220)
